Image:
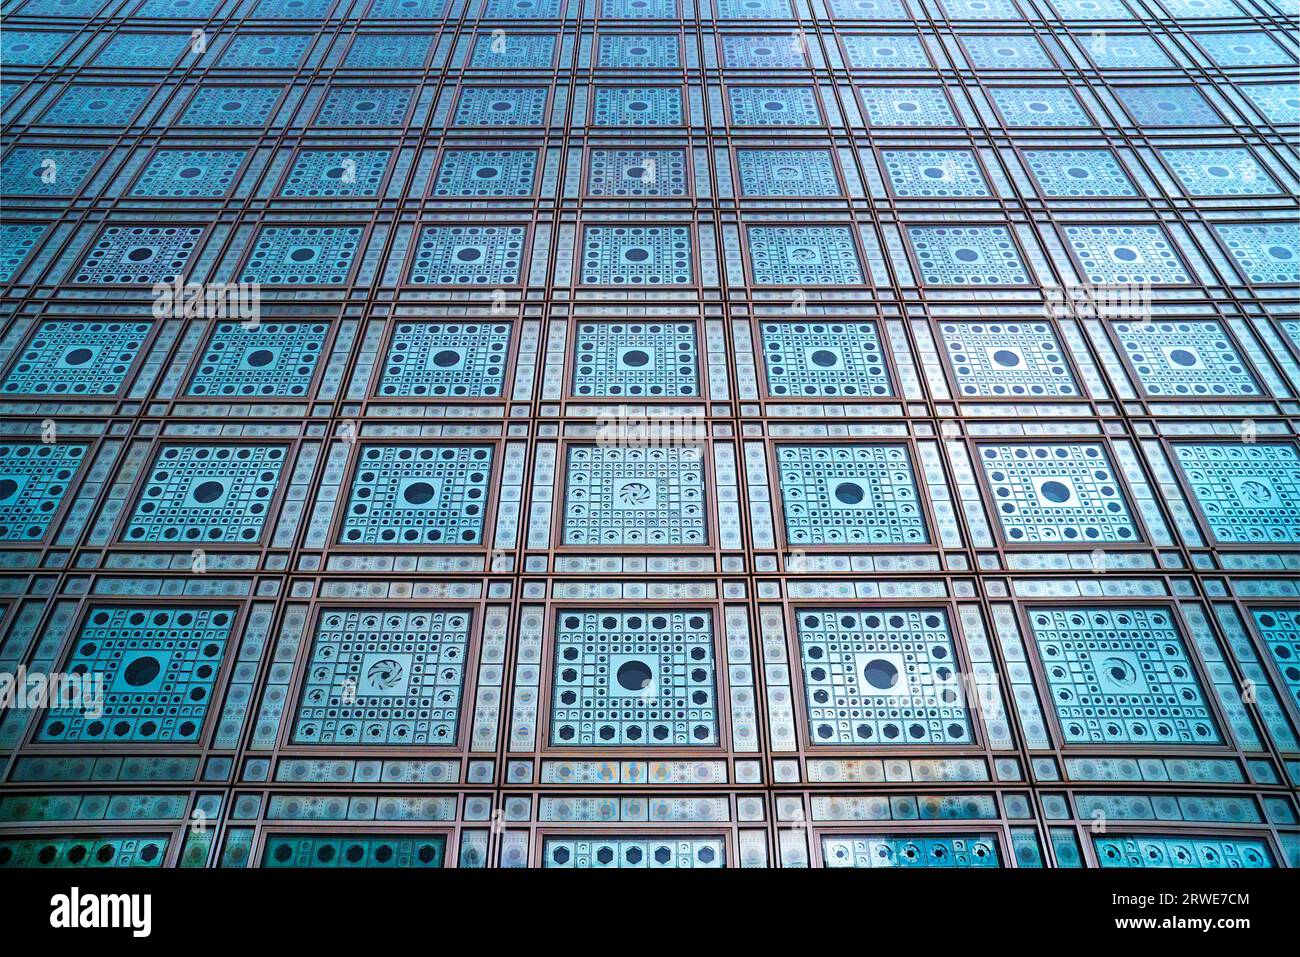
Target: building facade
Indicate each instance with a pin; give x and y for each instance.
(650, 433)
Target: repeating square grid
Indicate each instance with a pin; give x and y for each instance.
(1126, 254)
(645, 359)
(390, 677)
(803, 255)
(365, 106)
(967, 256)
(1249, 494)
(1231, 171)
(675, 853)
(655, 52)
(1057, 494)
(638, 9)
(1081, 173)
(1280, 629)
(46, 171)
(868, 9)
(1126, 51)
(231, 106)
(486, 173)
(522, 9)
(106, 106)
(850, 495)
(1007, 360)
(138, 255)
(1148, 850)
(637, 106)
(934, 173)
(1185, 359)
(1006, 53)
(141, 50)
(636, 255)
(16, 241)
(763, 52)
(1121, 676)
(753, 9)
(468, 256)
(264, 52)
(633, 495)
(981, 10)
(805, 359)
(1202, 9)
(1243, 49)
(354, 850)
(513, 51)
(72, 357)
(371, 51)
(1039, 106)
(446, 360)
(21, 48)
(637, 173)
(773, 106)
(418, 495)
(1279, 102)
(1265, 253)
(206, 494)
(643, 678)
(884, 52)
(189, 174)
(769, 172)
(897, 106)
(302, 255)
(325, 173)
(269, 359)
(159, 666)
(34, 478)
(501, 106)
(881, 677)
(1160, 106)
(875, 850)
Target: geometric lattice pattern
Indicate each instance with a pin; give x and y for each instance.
(418, 495)
(266, 359)
(850, 495)
(640, 678)
(973, 850)
(575, 852)
(824, 359)
(206, 494)
(1155, 850)
(1185, 359)
(1280, 629)
(1247, 493)
(631, 495)
(75, 358)
(159, 668)
(833, 342)
(1121, 676)
(445, 359)
(34, 478)
(651, 360)
(1057, 494)
(1007, 360)
(390, 677)
(887, 676)
(354, 851)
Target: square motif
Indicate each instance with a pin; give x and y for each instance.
(850, 495)
(642, 678)
(1057, 494)
(643, 359)
(384, 678)
(418, 495)
(633, 495)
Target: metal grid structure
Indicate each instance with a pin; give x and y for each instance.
(672, 432)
